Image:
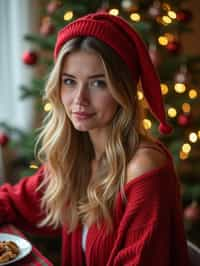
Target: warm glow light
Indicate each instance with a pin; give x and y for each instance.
(147, 123)
(114, 12)
(140, 95)
(47, 107)
(68, 15)
(180, 87)
(33, 166)
(164, 88)
(193, 137)
(186, 147)
(186, 107)
(166, 6)
(135, 17)
(166, 19)
(170, 37)
(198, 134)
(163, 40)
(171, 14)
(192, 94)
(183, 155)
(172, 112)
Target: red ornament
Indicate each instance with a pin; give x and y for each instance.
(52, 7)
(173, 47)
(184, 15)
(29, 58)
(192, 212)
(3, 139)
(184, 120)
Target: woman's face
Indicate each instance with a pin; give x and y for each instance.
(85, 93)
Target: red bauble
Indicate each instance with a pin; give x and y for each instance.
(184, 15)
(192, 212)
(52, 7)
(173, 47)
(3, 139)
(30, 58)
(184, 120)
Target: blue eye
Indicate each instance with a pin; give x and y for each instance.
(99, 84)
(68, 81)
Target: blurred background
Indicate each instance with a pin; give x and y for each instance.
(170, 30)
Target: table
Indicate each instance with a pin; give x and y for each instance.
(35, 258)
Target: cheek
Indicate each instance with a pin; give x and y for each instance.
(66, 99)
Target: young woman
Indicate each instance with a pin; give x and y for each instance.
(104, 181)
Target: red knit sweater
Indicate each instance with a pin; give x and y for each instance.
(148, 228)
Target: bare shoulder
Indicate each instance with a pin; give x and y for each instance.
(145, 159)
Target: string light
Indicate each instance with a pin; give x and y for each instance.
(166, 20)
(147, 123)
(135, 17)
(140, 95)
(186, 107)
(172, 112)
(164, 88)
(47, 107)
(166, 6)
(180, 87)
(33, 166)
(186, 147)
(192, 94)
(170, 37)
(68, 15)
(183, 155)
(163, 40)
(171, 14)
(114, 12)
(193, 137)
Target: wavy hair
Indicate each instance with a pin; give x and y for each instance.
(70, 196)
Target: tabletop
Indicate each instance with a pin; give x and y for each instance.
(35, 258)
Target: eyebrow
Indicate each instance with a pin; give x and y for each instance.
(92, 76)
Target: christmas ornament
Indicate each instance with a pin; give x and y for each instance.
(184, 120)
(173, 47)
(155, 56)
(155, 10)
(30, 58)
(192, 212)
(3, 139)
(53, 6)
(47, 27)
(184, 15)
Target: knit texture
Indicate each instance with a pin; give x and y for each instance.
(148, 228)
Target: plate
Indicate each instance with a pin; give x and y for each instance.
(25, 246)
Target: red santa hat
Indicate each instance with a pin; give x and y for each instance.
(120, 36)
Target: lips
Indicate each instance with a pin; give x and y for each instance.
(82, 115)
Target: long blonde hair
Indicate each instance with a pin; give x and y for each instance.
(70, 196)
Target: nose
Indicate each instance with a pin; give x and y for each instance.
(81, 96)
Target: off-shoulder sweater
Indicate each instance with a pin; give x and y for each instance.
(147, 229)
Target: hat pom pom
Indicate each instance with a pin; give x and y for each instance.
(165, 128)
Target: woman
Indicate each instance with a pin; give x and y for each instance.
(109, 186)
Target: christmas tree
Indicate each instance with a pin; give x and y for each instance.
(161, 24)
